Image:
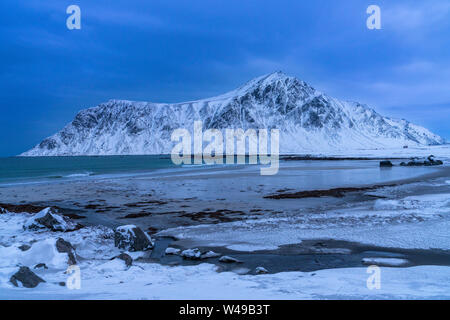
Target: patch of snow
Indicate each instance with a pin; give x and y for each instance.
(388, 262)
(209, 254)
(387, 204)
(153, 281)
(191, 254)
(228, 259)
(40, 252)
(261, 270)
(111, 266)
(250, 247)
(173, 251)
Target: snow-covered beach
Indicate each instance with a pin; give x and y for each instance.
(401, 225)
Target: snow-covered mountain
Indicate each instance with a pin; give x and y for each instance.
(308, 120)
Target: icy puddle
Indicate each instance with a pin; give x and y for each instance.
(308, 256)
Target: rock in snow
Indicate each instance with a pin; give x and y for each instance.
(386, 262)
(386, 164)
(24, 247)
(173, 251)
(308, 120)
(66, 247)
(126, 258)
(192, 254)
(50, 219)
(228, 259)
(261, 270)
(209, 254)
(132, 238)
(26, 278)
(431, 161)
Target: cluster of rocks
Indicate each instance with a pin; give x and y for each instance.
(51, 220)
(28, 279)
(196, 254)
(128, 238)
(430, 161)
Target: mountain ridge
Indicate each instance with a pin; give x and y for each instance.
(308, 120)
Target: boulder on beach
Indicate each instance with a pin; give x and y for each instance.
(261, 270)
(172, 251)
(126, 258)
(24, 247)
(132, 238)
(50, 219)
(228, 259)
(209, 254)
(386, 164)
(64, 246)
(26, 278)
(191, 254)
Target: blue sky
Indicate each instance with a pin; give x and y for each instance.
(173, 50)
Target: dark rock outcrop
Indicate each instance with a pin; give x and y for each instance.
(64, 246)
(132, 238)
(431, 161)
(50, 219)
(126, 258)
(24, 247)
(335, 192)
(19, 208)
(386, 164)
(26, 277)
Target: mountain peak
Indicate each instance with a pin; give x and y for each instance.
(277, 77)
(308, 121)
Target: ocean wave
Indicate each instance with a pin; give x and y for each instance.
(79, 175)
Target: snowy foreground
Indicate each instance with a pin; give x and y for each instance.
(103, 278)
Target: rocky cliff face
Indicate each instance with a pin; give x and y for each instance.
(308, 120)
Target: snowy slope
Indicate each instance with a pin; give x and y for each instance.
(308, 121)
